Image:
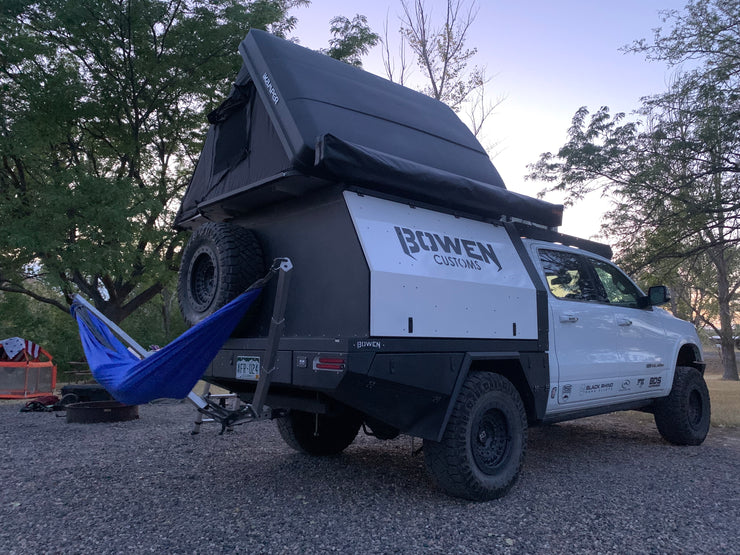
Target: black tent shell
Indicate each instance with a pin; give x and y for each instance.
(297, 120)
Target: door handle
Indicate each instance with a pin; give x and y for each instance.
(622, 321)
(568, 317)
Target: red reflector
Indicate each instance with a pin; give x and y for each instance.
(323, 360)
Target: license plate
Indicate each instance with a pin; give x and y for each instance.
(247, 368)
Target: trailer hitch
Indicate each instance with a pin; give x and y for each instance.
(228, 418)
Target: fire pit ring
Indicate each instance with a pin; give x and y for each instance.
(101, 411)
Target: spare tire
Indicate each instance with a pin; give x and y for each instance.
(219, 262)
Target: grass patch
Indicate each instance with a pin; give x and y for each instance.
(724, 394)
(725, 397)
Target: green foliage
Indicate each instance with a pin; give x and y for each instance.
(101, 120)
(158, 322)
(706, 34)
(674, 175)
(351, 39)
(102, 109)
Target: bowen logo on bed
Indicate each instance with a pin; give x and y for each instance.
(449, 251)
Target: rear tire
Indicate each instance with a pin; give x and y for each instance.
(683, 417)
(483, 447)
(219, 262)
(319, 434)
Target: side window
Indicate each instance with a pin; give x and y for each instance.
(567, 276)
(230, 139)
(617, 286)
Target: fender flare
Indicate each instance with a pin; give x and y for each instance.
(531, 378)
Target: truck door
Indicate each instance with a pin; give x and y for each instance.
(583, 330)
(646, 352)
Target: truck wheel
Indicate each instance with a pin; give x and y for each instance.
(683, 417)
(482, 449)
(319, 434)
(219, 262)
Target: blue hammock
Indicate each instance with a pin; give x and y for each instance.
(168, 372)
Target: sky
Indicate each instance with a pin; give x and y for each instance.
(546, 59)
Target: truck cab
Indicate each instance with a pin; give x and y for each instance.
(609, 342)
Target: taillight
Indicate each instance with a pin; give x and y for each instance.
(329, 363)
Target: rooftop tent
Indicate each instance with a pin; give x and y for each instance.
(297, 120)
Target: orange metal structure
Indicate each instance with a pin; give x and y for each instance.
(25, 376)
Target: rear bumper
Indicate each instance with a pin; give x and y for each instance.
(409, 391)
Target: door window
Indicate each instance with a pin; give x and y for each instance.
(567, 276)
(618, 288)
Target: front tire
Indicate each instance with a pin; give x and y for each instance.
(482, 450)
(683, 417)
(319, 434)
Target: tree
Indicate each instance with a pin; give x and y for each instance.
(101, 120)
(441, 53)
(675, 187)
(351, 39)
(676, 180)
(706, 35)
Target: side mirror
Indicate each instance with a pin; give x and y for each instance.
(658, 294)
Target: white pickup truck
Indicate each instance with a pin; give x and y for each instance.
(406, 319)
(425, 298)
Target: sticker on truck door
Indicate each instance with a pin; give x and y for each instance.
(247, 368)
(624, 386)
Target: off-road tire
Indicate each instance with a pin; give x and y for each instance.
(683, 417)
(319, 434)
(219, 262)
(482, 450)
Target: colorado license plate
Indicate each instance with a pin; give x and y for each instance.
(247, 368)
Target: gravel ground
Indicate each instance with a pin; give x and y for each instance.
(600, 485)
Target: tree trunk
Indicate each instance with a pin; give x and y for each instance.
(729, 363)
(727, 342)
